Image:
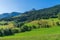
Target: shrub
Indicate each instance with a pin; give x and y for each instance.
(2, 33)
(58, 23)
(8, 32)
(16, 30)
(25, 28)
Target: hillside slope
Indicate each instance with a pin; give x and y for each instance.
(34, 14)
(37, 34)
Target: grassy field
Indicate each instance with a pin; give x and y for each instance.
(36, 34)
(52, 33)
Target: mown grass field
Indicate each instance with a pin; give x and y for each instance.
(36, 34)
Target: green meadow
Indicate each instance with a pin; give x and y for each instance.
(52, 33)
(36, 34)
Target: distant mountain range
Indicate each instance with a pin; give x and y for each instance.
(7, 15)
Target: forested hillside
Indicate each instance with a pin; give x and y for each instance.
(34, 14)
(29, 20)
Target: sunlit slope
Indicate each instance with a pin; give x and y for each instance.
(52, 22)
(5, 25)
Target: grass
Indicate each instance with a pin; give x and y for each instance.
(52, 33)
(36, 34)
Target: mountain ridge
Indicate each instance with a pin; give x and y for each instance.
(31, 15)
(7, 15)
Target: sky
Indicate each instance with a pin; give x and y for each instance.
(8, 6)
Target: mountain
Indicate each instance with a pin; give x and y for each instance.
(34, 14)
(11, 23)
(8, 15)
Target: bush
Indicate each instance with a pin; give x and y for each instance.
(25, 28)
(8, 32)
(2, 33)
(58, 23)
(16, 30)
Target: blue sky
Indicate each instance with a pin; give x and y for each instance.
(8, 6)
